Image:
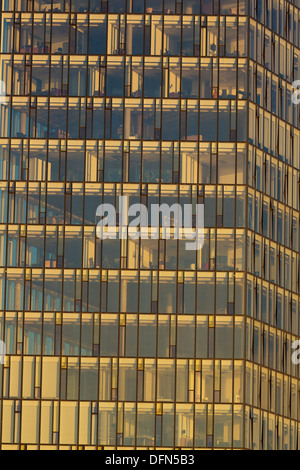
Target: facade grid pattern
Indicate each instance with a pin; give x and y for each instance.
(140, 344)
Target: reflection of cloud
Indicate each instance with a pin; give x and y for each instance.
(3, 97)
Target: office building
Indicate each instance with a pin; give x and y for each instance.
(141, 344)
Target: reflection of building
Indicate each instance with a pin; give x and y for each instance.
(140, 343)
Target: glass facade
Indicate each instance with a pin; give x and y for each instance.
(140, 344)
